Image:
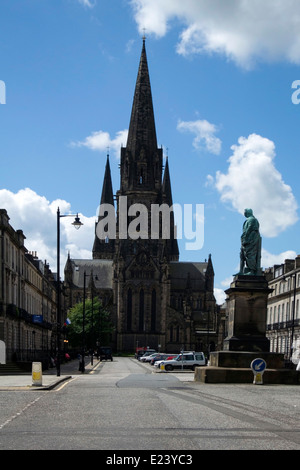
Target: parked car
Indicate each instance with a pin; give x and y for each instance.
(158, 357)
(162, 357)
(146, 353)
(168, 358)
(148, 357)
(189, 360)
(105, 352)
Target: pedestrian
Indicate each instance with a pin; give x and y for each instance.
(80, 362)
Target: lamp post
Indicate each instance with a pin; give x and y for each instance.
(77, 224)
(83, 319)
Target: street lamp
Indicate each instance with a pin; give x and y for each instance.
(77, 224)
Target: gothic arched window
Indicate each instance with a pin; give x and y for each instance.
(129, 309)
(153, 310)
(141, 311)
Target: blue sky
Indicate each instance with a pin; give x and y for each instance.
(221, 76)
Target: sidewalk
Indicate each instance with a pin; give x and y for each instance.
(49, 377)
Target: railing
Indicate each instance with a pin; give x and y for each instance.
(283, 325)
(27, 356)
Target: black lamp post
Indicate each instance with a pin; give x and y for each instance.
(77, 224)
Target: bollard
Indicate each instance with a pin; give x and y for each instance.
(37, 373)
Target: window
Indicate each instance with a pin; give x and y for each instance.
(199, 357)
(188, 357)
(153, 310)
(141, 311)
(129, 309)
(279, 271)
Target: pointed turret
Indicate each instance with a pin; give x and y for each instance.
(104, 248)
(166, 187)
(107, 196)
(209, 275)
(172, 245)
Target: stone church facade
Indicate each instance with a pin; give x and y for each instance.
(155, 299)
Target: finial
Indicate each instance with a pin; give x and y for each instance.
(144, 35)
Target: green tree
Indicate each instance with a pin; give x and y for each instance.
(97, 325)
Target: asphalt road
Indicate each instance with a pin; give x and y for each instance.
(124, 406)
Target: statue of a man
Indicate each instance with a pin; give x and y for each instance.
(250, 246)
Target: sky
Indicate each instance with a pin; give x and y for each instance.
(225, 82)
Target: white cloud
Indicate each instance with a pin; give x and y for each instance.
(37, 217)
(243, 31)
(268, 259)
(87, 3)
(220, 296)
(252, 181)
(101, 141)
(204, 133)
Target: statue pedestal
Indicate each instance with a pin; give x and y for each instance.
(246, 340)
(247, 314)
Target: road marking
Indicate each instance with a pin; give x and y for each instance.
(9, 420)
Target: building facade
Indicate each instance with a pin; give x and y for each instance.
(27, 299)
(156, 300)
(283, 317)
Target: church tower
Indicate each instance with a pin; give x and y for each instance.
(155, 300)
(141, 252)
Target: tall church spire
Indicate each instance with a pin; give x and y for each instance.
(141, 160)
(142, 131)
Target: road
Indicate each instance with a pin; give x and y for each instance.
(124, 405)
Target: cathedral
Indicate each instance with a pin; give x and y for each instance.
(155, 300)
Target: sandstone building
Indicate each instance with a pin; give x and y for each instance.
(283, 319)
(27, 300)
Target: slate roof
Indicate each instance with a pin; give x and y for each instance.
(101, 268)
(182, 271)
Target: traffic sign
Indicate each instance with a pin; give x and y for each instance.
(258, 367)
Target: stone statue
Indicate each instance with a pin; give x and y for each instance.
(250, 254)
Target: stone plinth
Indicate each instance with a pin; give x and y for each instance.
(245, 376)
(247, 314)
(243, 359)
(246, 340)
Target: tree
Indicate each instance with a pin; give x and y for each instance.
(97, 325)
